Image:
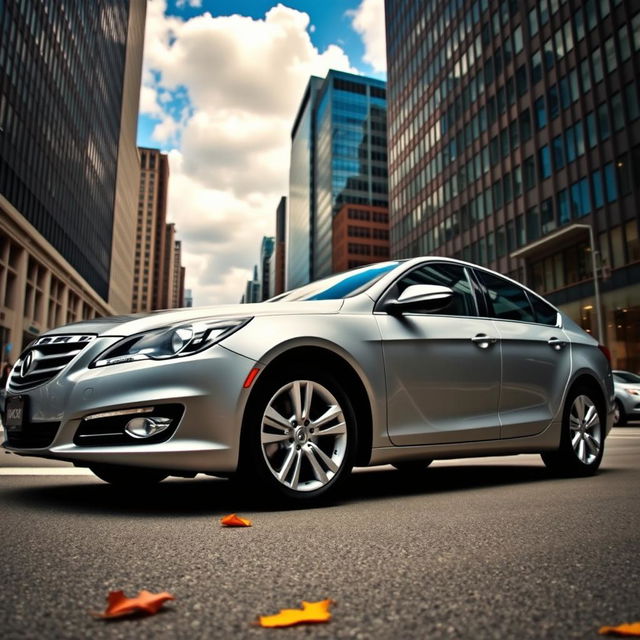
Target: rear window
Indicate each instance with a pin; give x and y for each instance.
(545, 313)
(506, 299)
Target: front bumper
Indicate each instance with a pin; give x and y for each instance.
(209, 386)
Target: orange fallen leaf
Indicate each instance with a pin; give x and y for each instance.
(310, 612)
(145, 602)
(233, 520)
(628, 630)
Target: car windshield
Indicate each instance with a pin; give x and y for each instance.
(339, 286)
(626, 376)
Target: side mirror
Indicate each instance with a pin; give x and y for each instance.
(426, 297)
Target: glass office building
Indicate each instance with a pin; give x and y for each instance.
(339, 156)
(515, 127)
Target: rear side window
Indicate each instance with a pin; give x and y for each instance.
(505, 299)
(447, 275)
(545, 313)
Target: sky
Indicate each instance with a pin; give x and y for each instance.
(222, 82)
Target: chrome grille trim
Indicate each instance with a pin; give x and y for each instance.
(44, 359)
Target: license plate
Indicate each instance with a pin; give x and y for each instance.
(15, 409)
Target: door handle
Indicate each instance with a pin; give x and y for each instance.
(483, 341)
(556, 343)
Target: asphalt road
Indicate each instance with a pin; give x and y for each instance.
(492, 548)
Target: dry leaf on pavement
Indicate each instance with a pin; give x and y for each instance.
(311, 612)
(631, 630)
(233, 520)
(145, 602)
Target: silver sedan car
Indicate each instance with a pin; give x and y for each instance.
(626, 386)
(401, 362)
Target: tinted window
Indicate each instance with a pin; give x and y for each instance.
(447, 275)
(545, 313)
(505, 299)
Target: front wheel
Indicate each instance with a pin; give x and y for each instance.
(127, 476)
(299, 436)
(619, 415)
(582, 439)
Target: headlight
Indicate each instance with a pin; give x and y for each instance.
(169, 342)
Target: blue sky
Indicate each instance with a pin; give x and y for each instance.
(330, 24)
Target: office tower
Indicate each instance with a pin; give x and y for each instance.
(69, 87)
(338, 157)
(276, 281)
(514, 131)
(266, 255)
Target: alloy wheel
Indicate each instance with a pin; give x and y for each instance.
(303, 435)
(585, 429)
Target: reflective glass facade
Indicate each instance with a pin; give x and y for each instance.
(61, 85)
(346, 156)
(510, 121)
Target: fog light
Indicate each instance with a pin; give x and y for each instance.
(146, 427)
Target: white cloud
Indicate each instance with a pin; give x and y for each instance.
(244, 79)
(368, 21)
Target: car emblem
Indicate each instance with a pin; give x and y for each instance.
(28, 364)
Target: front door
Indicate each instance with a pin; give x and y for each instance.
(442, 369)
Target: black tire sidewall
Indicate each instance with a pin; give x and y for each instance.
(253, 472)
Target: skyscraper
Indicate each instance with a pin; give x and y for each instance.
(276, 278)
(266, 255)
(69, 88)
(158, 281)
(338, 157)
(514, 131)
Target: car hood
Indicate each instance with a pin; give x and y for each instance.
(135, 323)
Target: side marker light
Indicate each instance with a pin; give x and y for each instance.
(251, 377)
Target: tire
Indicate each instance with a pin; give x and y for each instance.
(620, 416)
(298, 437)
(412, 466)
(582, 438)
(128, 476)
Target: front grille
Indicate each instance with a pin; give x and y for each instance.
(35, 435)
(44, 359)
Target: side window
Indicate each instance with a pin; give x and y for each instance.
(447, 275)
(506, 300)
(545, 313)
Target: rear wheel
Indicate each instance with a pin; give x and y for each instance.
(582, 439)
(299, 436)
(412, 466)
(127, 476)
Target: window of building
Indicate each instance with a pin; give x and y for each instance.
(564, 212)
(633, 242)
(541, 113)
(623, 43)
(585, 76)
(603, 121)
(549, 55)
(611, 187)
(611, 63)
(578, 22)
(592, 133)
(635, 30)
(558, 38)
(533, 226)
(623, 171)
(598, 192)
(529, 173)
(558, 152)
(544, 159)
(517, 181)
(536, 67)
(544, 11)
(596, 60)
(552, 99)
(533, 22)
(547, 219)
(617, 112)
(631, 101)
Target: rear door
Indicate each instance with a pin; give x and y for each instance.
(442, 375)
(536, 356)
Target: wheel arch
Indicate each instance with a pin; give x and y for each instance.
(588, 382)
(344, 372)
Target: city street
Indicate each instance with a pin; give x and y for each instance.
(486, 548)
